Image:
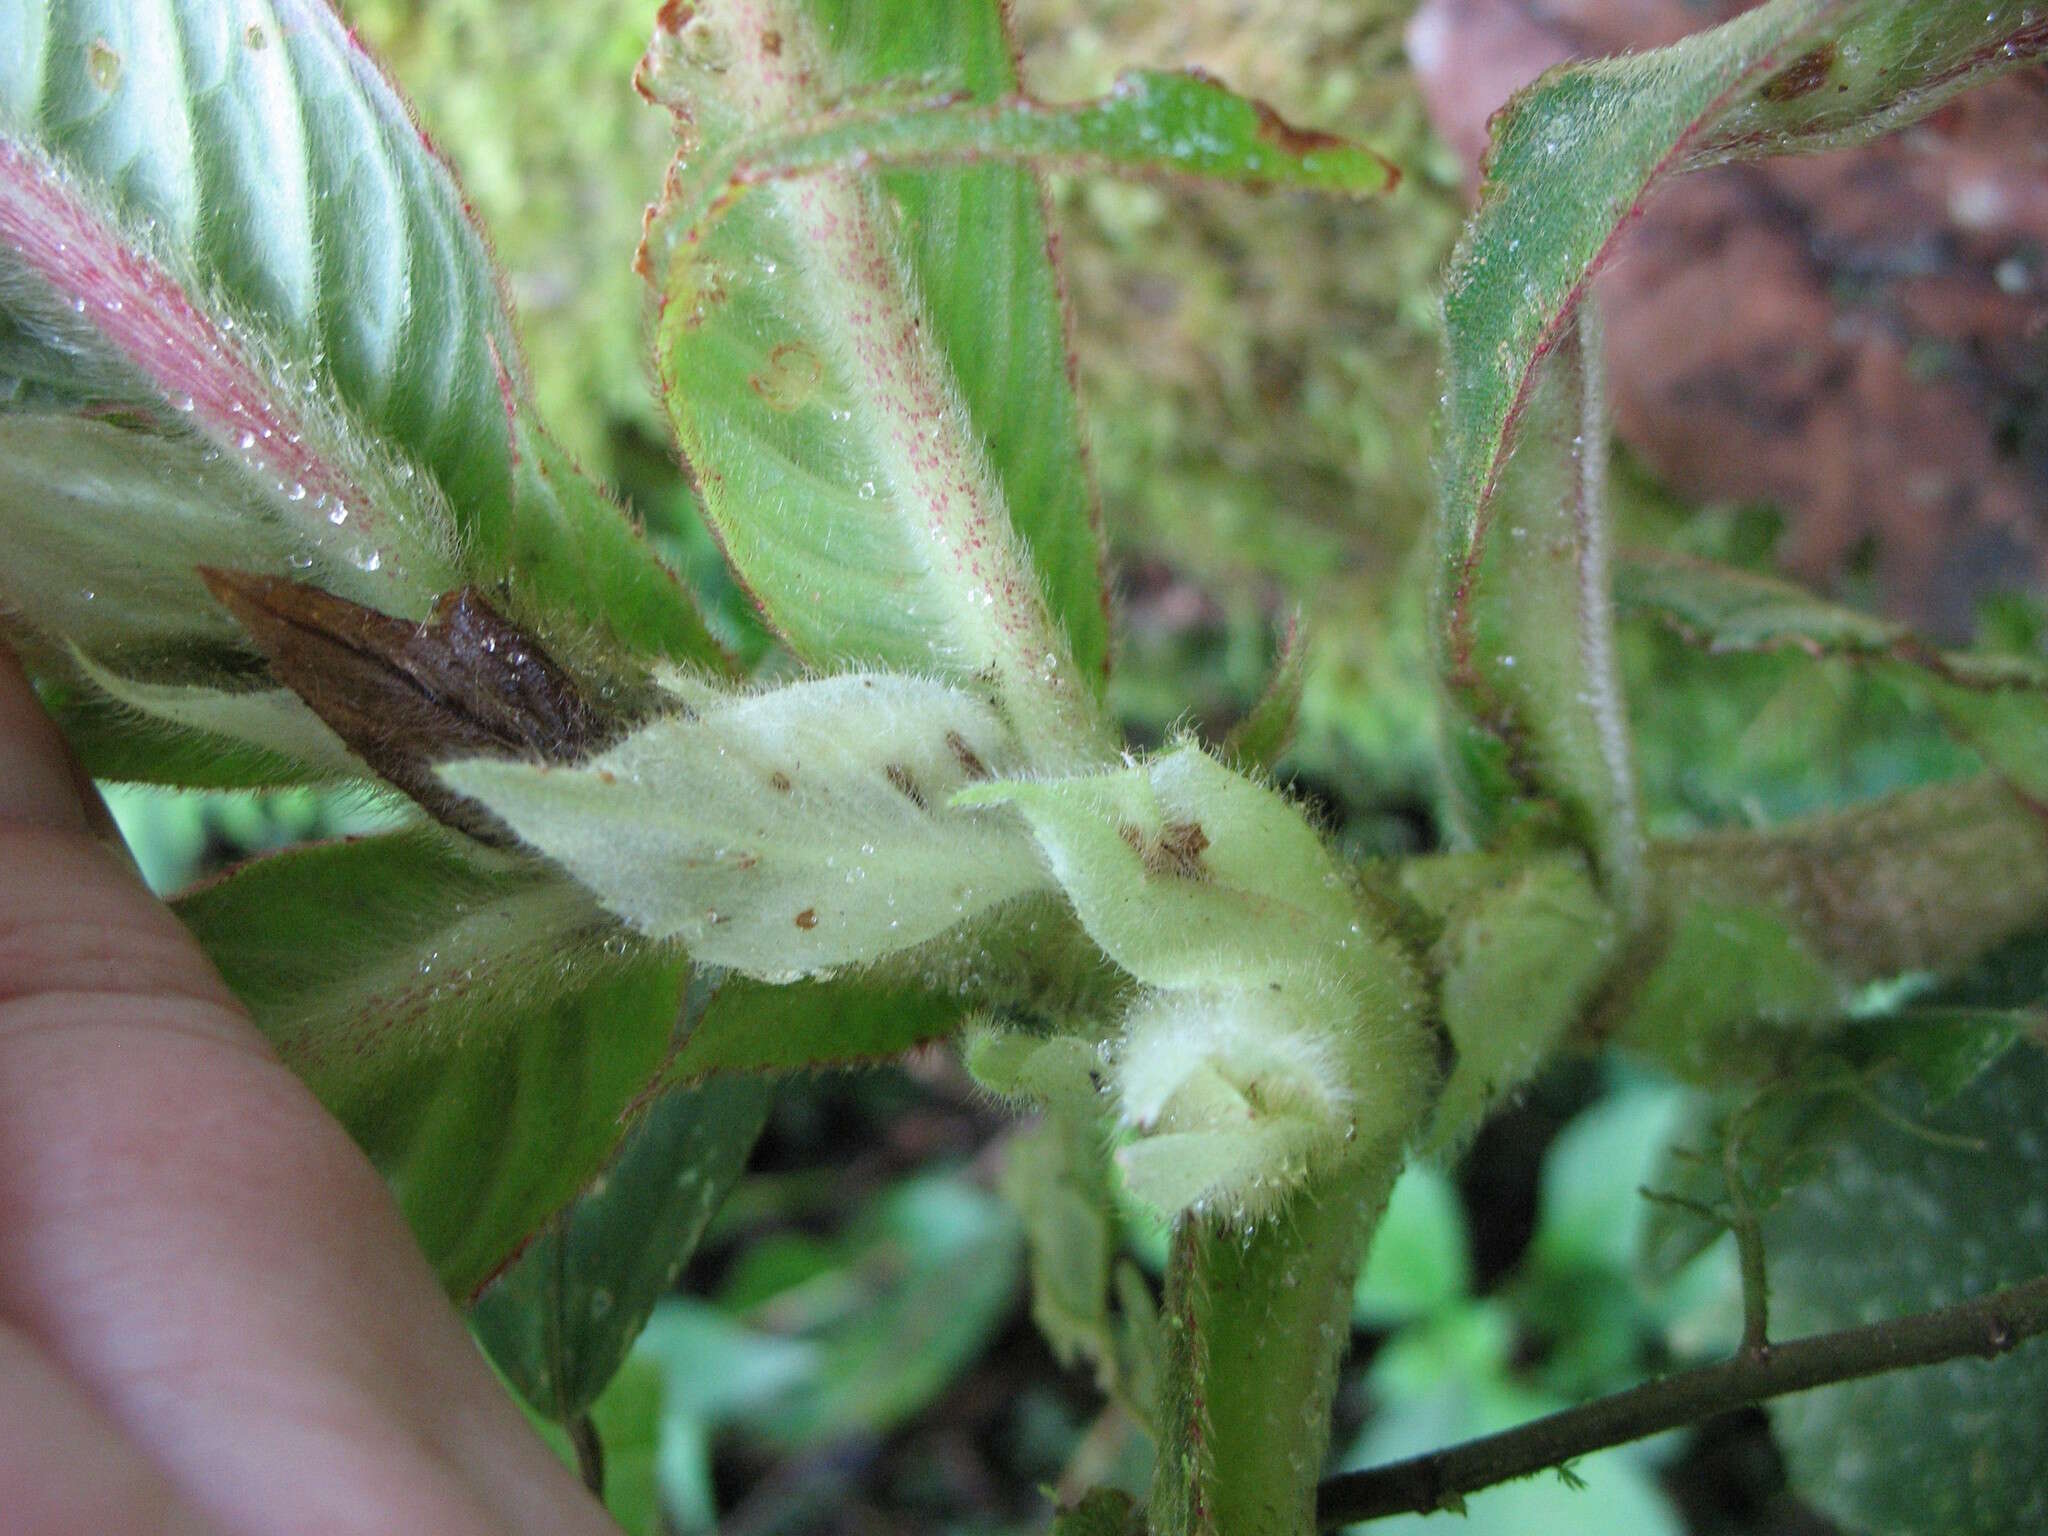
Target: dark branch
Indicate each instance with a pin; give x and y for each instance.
(1988, 1326)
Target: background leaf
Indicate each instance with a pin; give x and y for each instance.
(560, 1322)
(1954, 1448)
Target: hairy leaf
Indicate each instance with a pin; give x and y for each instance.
(1086, 1303)
(560, 1322)
(1573, 157)
(479, 1027)
(784, 834)
(1998, 704)
(1189, 876)
(892, 475)
(245, 321)
(1520, 961)
(1151, 123)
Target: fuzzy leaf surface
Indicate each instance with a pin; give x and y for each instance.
(1152, 123)
(898, 480)
(1573, 157)
(245, 320)
(478, 1026)
(1189, 875)
(784, 834)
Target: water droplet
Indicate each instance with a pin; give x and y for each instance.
(366, 559)
(297, 492)
(245, 440)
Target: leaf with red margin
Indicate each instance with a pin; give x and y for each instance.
(231, 262)
(1573, 158)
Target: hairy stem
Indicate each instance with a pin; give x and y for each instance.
(1621, 850)
(1256, 1325)
(1986, 1327)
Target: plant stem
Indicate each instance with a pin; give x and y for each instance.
(589, 1446)
(1621, 846)
(1987, 1327)
(1256, 1324)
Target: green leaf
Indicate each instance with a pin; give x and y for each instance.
(1263, 735)
(1928, 1208)
(1102, 1512)
(892, 476)
(1777, 1136)
(1573, 156)
(581, 571)
(1998, 704)
(784, 834)
(1777, 933)
(479, 1027)
(1420, 1261)
(1152, 123)
(1521, 959)
(1087, 1304)
(560, 1322)
(260, 158)
(1189, 875)
(245, 321)
(936, 1263)
(765, 1028)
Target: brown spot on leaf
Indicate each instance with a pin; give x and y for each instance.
(745, 862)
(1804, 75)
(674, 15)
(969, 760)
(780, 782)
(771, 43)
(1178, 852)
(807, 919)
(1133, 839)
(899, 776)
(1287, 138)
(405, 696)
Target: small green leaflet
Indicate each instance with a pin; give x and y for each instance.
(782, 834)
(1572, 157)
(1152, 123)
